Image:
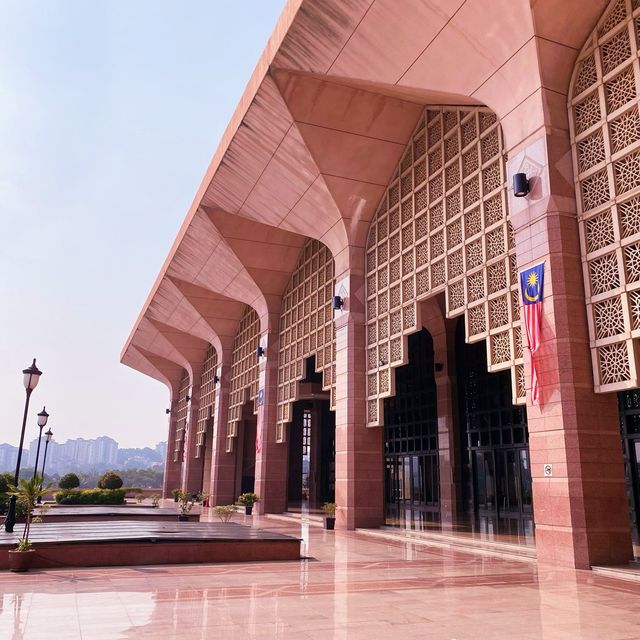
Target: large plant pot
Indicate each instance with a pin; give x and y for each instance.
(21, 560)
(330, 523)
(183, 517)
(248, 510)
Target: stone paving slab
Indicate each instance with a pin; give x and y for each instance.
(63, 513)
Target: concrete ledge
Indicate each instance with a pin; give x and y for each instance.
(126, 543)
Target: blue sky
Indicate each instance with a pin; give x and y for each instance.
(110, 111)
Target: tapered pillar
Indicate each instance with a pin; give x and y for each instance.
(580, 503)
(172, 467)
(271, 457)
(359, 453)
(221, 486)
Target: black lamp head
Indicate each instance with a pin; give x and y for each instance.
(520, 185)
(337, 303)
(167, 411)
(260, 351)
(216, 379)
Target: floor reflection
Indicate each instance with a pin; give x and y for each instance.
(352, 587)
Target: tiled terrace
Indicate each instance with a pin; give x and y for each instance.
(351, 587)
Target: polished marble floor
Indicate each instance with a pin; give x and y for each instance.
(351, 587)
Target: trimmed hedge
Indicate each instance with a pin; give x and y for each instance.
(90, 496)
(69, 481)
(110, 480)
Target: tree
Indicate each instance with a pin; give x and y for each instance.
(110, 480)
(69, 481)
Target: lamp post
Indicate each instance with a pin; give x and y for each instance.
(49, 436)
(43, 416)
(31, 376)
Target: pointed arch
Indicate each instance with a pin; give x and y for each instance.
(442, 227)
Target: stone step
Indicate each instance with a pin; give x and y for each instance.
(622, 572)
(456, 542)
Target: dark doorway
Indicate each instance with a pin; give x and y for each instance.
(246, 451)
(412, 492)
(311, 455)
(311, 446)
(496, 472)
(629, 406)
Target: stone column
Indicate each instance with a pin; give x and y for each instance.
(221, 481)
(171, 478)
(359, 450)
(443, 335)
(581, 509)
(271, 459)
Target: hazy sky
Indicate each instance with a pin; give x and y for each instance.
(110, 111)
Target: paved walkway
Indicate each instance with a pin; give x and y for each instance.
(353, 588)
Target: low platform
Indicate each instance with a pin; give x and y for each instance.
(61, 513)
(128, 543)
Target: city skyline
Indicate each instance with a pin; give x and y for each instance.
(101, 154)
(82, 454)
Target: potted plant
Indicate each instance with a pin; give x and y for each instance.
(329, 510)
(175, 493)
(248, 500)
(26, 493)
(155, 500)
(185, 502)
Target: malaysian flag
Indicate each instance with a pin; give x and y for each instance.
(531, 283)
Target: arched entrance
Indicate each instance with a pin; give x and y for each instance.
(246, 451)
(412, 495)
(629, 403)
(311, 474)
(495, 464)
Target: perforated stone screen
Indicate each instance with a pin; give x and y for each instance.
(605, 135)
(244, 371)
(442, 228)
(207, 397)
(306, 329)
(181, 416)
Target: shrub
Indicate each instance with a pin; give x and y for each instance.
(248, 499)
(224, 512)
(140, 497)
(329, 509)
(90, 496)
(110, 480)
(69, 481)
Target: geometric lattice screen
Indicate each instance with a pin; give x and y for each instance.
(244, 371)
(605, 136)
(181, 416)
(442, 227)
(306, 329)
(207, 398)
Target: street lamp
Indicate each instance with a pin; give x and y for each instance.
(43, 416)
(49, 436)
(31, 377)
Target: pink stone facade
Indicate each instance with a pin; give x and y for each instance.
(371, 158)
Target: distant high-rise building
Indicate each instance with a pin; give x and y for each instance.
(104, 450)
(8, 457)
